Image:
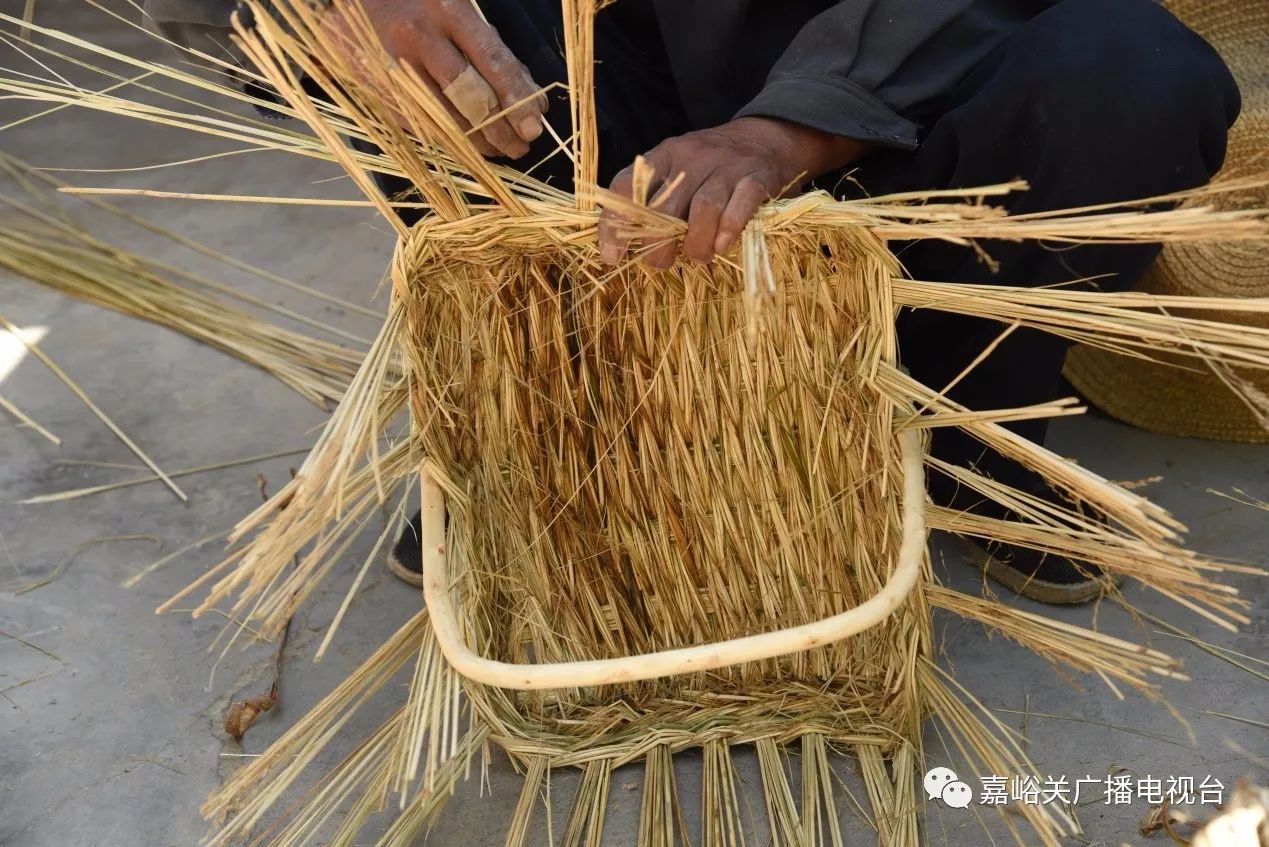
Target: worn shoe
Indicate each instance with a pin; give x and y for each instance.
(1043, 577)
(1039, 576)
(405, 560)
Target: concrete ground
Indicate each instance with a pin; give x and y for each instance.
(110, 717)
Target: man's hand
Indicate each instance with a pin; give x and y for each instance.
(728, 172)
(463, 60)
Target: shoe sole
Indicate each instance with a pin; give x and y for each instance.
(403, 573)
(1033, 588)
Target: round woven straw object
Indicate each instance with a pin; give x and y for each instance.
(1182, 401)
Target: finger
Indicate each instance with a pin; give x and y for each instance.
(462, 87)
(703, 216)
(749, 194)
(473, 96)
(673, 200)
(613, 243)
(477, 139)
(425, 48)
(510, 80)
(469, 93)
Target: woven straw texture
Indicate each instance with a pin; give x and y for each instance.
(635, 461)
(639, 467)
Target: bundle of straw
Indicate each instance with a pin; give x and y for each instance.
(46, 245)
(685, 508)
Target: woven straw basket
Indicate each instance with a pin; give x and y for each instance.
(1173, 395)
(636, 498)
(675, 509)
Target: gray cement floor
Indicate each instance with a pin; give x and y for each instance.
(109, 716)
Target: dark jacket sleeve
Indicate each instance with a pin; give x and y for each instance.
(202, 25)
(864, 68)
(210, 13)
(198, 24)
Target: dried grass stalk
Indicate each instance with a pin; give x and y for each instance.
(47, 246)
(92, 406)
(26, 420)
(635, 461)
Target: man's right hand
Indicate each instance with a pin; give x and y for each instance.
(464, 61)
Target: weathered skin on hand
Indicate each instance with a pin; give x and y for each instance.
(447, 41)
(728, 172)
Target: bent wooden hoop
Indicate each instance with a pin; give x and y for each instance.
(701, 657)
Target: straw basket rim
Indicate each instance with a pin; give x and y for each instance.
(683, 660)
(815, 698)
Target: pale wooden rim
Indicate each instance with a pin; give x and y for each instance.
(701, 657)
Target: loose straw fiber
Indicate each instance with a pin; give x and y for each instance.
(636, 461)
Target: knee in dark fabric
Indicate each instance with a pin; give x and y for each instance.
(1133, 83)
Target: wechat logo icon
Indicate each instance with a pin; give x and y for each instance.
(942, 784)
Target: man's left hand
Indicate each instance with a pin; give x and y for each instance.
(727, 173)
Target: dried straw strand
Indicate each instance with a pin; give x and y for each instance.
(695, 455)
(93, 407)
(26, 420)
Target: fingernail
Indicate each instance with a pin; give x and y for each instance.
(530, 128)
(608, 254)
(721, 243)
